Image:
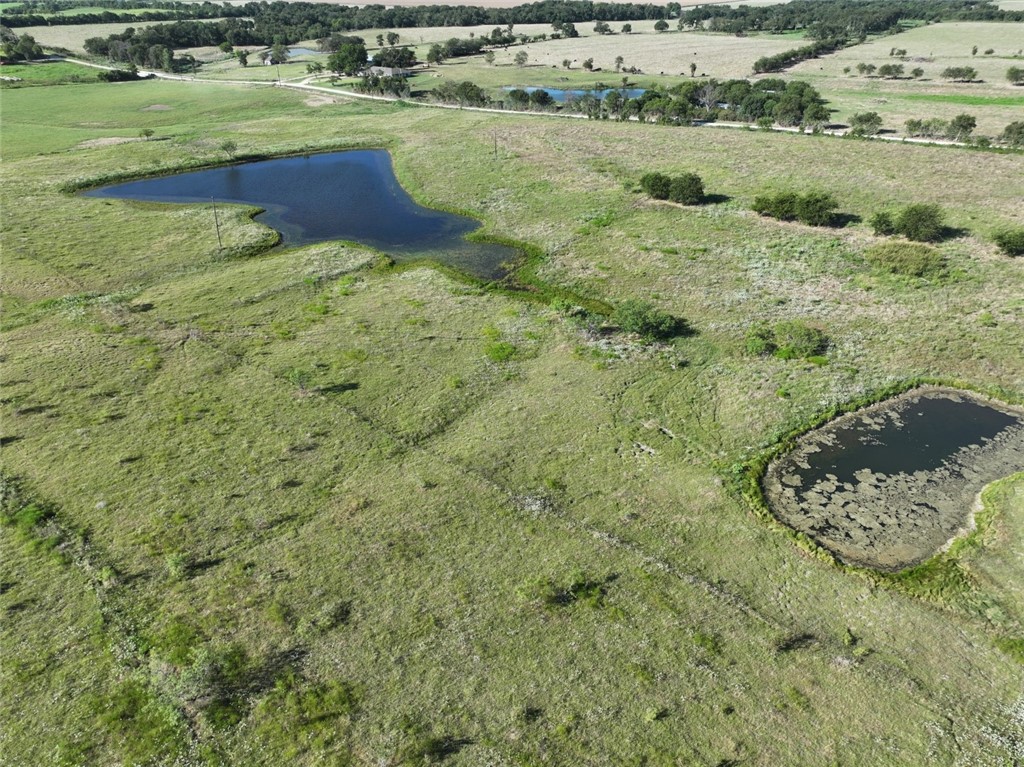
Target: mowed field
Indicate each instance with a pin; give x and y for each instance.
(933, 48)
(292, 508)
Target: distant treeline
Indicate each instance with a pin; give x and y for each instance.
(781, 61)
(127, 11)
(839, 19)
(266, 23)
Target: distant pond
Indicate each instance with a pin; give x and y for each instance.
(890, 485)
(562, 95)
(299, 51)
(351, 195)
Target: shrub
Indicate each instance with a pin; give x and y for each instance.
(1010, 241)
(646, 320)
(687, 189)
(657, 185)
(813, 208)
(500, 351)
(907, 258)
(883, 224)
(865, 124)
(795, 338)
(817, 209)
(781, 206)
(789, 339)
(921, 222)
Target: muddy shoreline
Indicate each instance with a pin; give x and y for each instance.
(834, 485)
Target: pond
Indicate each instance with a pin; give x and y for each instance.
(299, 51)
(562, 95)
(351, 195)
(889, 486)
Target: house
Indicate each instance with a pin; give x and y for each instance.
(388, 72)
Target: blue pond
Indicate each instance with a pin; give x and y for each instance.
(561, 96)
(299, 51)
(337, 196)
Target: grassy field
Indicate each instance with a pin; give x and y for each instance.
(933, 48)
(47, 73)
(73, 36)
(290, 510)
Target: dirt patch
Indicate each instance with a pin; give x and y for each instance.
(319, 101)
(157, 108)
(108, 141)
(889, 521)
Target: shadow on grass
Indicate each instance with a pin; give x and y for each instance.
(715, 199)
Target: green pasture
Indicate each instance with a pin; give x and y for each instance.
(289, 506)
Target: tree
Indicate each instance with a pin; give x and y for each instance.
(974, 51)
(380, 40)
(348, 59)
(817, 209)
(541, 98)
(603, 28)
(393, 38)
(243, 58)
(660, 25)
(588, 64)
(566, 63)
(627, 28)
(693, 68)
(25, 48)
(921, 222)
(278, 53)
(686, 189)
(228, 147)
(435, 55)
(890, 71)
(315, 68)
(520, 58)
(961, 126)
(1013, 134)
(646, 320)
(146, 133)
(917, 73)
(1015, 75)
(865, 124)
(619, 61)
(489, 57)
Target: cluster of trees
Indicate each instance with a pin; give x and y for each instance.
(886, 71)
(960, 74)
(130, 44)
(865, 124)
(18, 48)
(397, 87)
(957, 129)
(464, 93)
(686, 189)
(812, 208)
(832, 19)
(348, 59)
(1015, 75)
(1013, 135)
(781, 61)
(771, 100)
(456, 47)
(538, 98)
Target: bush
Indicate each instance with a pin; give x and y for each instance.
(813, 208)
(921, 222)
(1010, 241)
(646, 320)
(657, 185)
(782, 206)
(687, 189)
(795, 338)
(817, 209)
(1013, 134)
(883, 224)
(907, 258)
(789, 339)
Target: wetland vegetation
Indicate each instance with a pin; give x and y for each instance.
(299, 505)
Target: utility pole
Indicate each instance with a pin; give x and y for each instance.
(216, 221)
